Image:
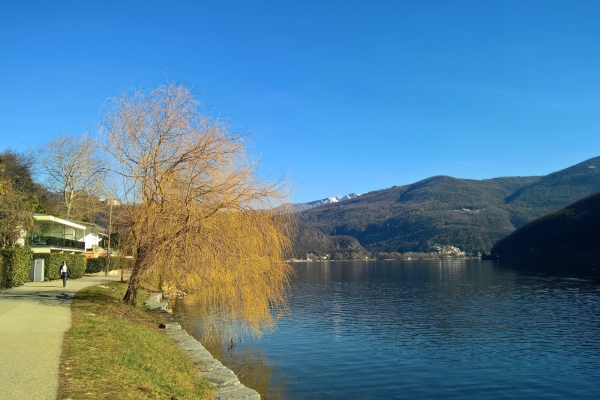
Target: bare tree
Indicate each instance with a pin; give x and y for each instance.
(72, 167)
(198, 216)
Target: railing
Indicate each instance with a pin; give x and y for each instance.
(58, 242)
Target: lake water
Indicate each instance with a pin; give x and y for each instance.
(425, 330)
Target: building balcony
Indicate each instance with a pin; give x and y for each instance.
(51, 243)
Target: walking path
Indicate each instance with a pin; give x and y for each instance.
(33, 320)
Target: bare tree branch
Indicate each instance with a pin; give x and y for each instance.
(73, 168)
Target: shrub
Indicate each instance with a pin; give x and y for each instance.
(99, 264)
(94, 265)
(16, 266)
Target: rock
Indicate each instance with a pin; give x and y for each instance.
(220, 377)
(179, 335)
(200, 355)
(153, 301)
(206, 364)
(236, 393)
(170, 326)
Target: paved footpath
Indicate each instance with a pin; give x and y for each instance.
(33, 321)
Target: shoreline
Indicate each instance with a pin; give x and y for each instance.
(224, 380)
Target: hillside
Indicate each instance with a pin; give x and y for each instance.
(470, 214)
(571, 233)
(554, 191)
(310, 240)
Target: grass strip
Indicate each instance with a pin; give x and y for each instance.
(115, 351)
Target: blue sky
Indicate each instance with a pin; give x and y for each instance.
(343, 96)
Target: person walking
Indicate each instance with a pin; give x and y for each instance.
(64, 272)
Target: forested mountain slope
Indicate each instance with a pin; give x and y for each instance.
(554, 191)
(470, 214)
(569, 234)
(309, 240)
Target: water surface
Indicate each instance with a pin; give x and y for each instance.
(436, 330)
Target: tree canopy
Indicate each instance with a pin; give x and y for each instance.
(197, 215)
(20, 197)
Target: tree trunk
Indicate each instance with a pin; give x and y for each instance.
(134, 280)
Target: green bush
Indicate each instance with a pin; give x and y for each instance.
(16, 266)
(95, 265)
(99, 264)
(53, 261)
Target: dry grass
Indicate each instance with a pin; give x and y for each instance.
(115, 351)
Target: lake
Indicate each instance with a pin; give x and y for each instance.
(424, 330)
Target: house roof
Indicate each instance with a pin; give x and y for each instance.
(91, 225)
(52, 218)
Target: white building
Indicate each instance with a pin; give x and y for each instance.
(53, 234)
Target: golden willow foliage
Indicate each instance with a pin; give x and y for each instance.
(196, 213)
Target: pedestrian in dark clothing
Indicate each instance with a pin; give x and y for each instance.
(65, 271)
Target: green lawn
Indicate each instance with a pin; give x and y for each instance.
(115, 351)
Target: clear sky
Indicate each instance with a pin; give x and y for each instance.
(344, 96)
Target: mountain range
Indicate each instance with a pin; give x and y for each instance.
(470, 214)
(298, 207)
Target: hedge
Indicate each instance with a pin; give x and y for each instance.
(16, 266)
(53, 262)
(99, 264)
(16, 263)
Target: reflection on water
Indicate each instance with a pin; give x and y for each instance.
(254, 370)
(456, 330)
(250, 364)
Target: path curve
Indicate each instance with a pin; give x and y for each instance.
(33, 320)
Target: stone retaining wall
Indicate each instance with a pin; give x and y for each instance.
(222, 378)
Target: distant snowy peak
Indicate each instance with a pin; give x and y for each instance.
(348, 196)
(299, 207)
(330, 200)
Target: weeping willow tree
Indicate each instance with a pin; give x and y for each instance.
(197, 216)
